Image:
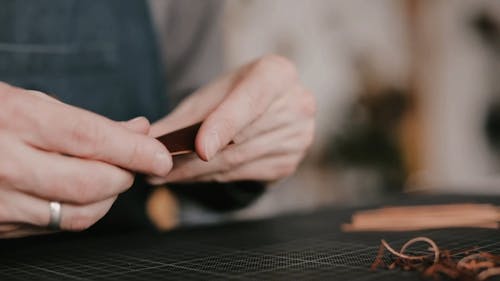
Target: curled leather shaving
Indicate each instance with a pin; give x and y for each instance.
(465, 265)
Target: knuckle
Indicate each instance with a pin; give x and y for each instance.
(41, 95)
(233, 159)
(36, 93)
(86, 136)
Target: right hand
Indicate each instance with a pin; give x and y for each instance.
(51, 151)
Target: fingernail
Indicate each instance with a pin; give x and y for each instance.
(162, 163)
(212, 145)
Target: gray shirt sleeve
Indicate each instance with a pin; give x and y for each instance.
(190, 37)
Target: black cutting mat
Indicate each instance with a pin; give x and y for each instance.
(300, 247)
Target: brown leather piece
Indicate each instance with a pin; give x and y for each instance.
(181, 141)
(413, 218)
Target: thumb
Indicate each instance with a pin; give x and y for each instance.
(138, 125)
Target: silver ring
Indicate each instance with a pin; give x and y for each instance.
(55, 215)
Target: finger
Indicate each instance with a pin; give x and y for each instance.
(57, 177)
(264, 82)
(138, 125)
(196, 106)
(297, 106)
(266, 169)
(70, 130)
(288, 140)
(187, 166)
(20, 208)
(275, 118)
(78, 218)
(26, 209)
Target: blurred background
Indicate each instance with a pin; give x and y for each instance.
(408, 94)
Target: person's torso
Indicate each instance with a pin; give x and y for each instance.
(100, 55)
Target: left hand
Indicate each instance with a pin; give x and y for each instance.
(262, 107)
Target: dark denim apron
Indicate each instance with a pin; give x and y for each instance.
(100, 55)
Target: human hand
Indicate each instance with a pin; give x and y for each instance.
(51, 151)
(262, 108)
